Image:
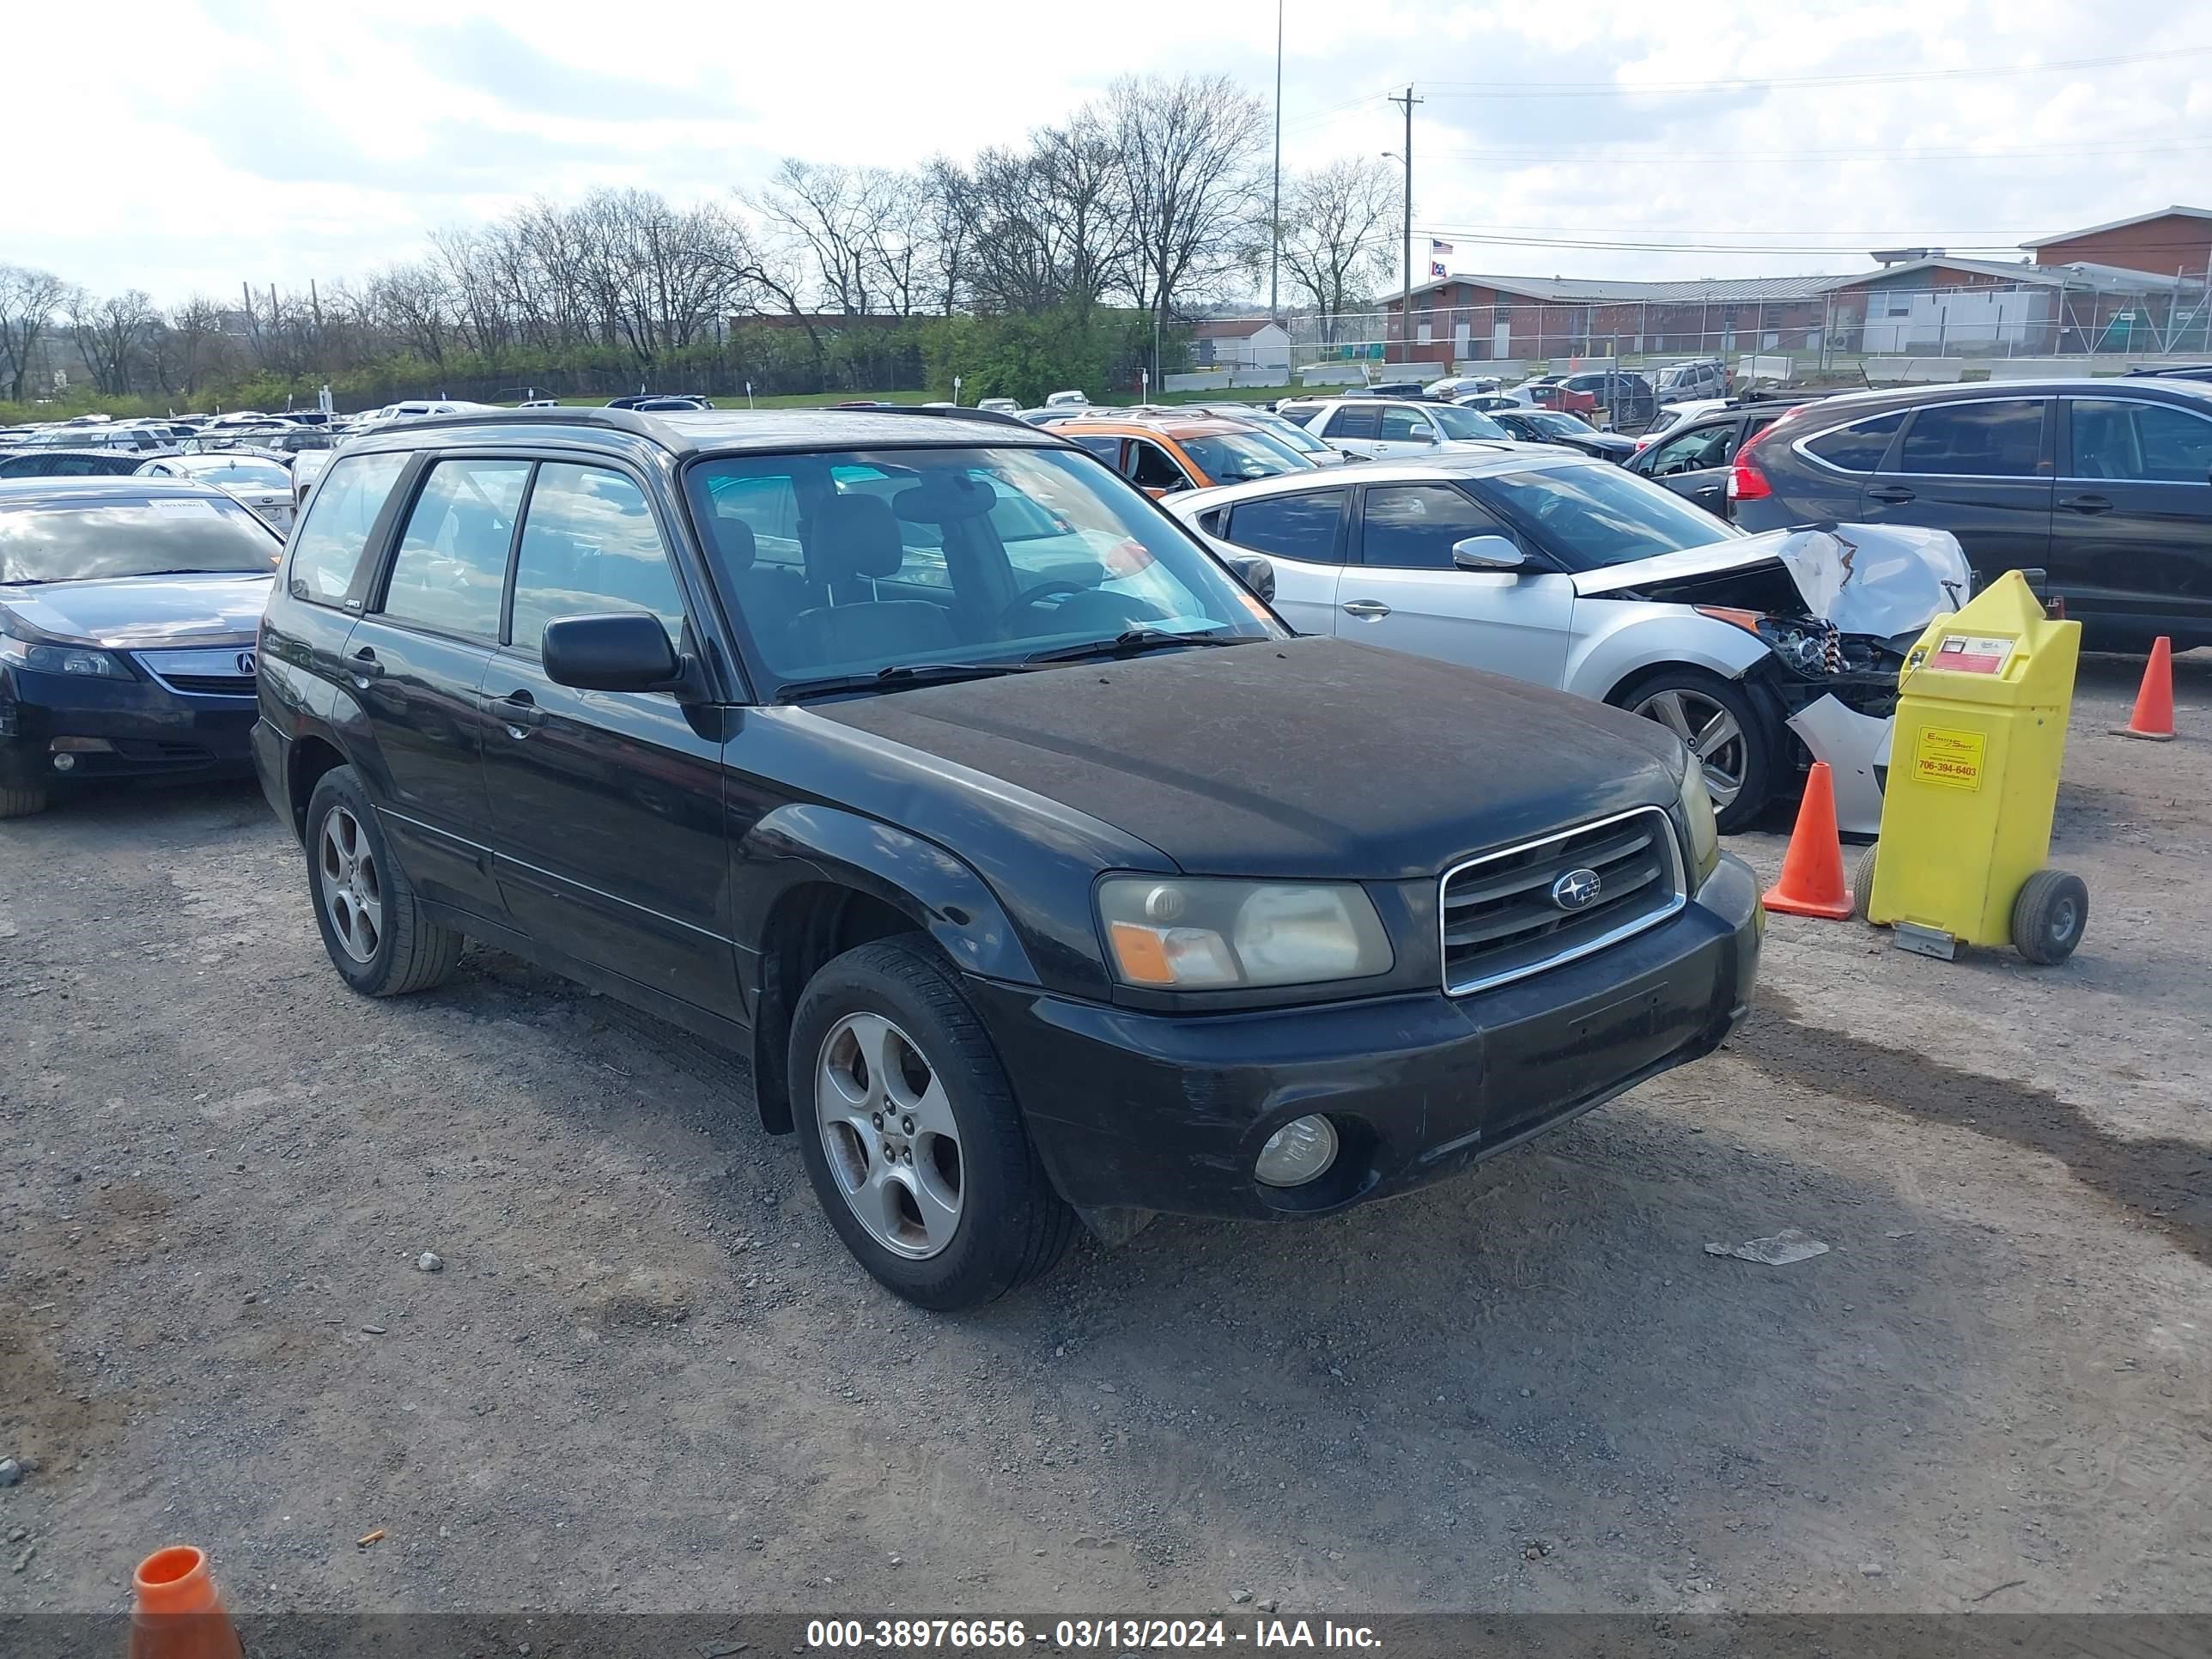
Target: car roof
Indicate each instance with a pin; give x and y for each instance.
(687, 433)
(1469, 464)
(1883, 397)
(1143, 426)
(85, 491)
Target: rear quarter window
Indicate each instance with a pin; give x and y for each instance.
(1857, 447)
(341, 512)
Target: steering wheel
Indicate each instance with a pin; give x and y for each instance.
(1036, 595)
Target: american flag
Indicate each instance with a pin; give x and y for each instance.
(1437, 249)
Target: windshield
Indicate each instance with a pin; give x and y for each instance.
(1592, 516)
(1233, 457)
(1560, 425)
(1286, 432)
(1463, 423)
(140, 537)
(233, 469)
(854, 562)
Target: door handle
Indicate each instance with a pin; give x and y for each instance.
(520, 713)
(364, 667)
(2088, 504)
(1896, 494)
(1366, 608)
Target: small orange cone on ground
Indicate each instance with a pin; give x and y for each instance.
(2154, 716)
(1812, 882)
(175, 1612)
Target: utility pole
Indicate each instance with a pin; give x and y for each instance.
(1409, 102)
(1275, 221)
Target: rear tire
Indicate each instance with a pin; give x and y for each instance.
(1690, 702)
(1863, 882)
(374, 926)
(911, 1135)
(2049, 916)
(22, 803)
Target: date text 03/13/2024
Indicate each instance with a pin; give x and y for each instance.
(1080, 1635)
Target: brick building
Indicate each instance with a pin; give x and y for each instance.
(2175, 241)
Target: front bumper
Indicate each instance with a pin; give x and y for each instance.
(1168, 1112)
(148, 729)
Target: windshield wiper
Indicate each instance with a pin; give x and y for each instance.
(898, 676)
(1130, 643)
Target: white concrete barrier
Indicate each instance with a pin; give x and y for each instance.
(1211, 380)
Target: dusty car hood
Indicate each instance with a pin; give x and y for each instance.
(143, 612)
(1308, 756)
(1882, 580)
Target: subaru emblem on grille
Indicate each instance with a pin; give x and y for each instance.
(246, 662)
(1578, 889)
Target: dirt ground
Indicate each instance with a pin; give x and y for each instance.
(648, 1376)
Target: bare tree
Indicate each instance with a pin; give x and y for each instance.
(183, 348)
(109, 334)
(1050, 223)
(28, 300)
(1339, 232)
(1188, 150)
(825, 210)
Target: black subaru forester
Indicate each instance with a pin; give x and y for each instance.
(1040, 869)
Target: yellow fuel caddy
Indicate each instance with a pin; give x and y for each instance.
(1974, 778)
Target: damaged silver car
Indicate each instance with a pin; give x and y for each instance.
(1762, 652)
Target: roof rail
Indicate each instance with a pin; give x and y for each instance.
(951, 411)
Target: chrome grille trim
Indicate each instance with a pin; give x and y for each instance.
(1529, 867)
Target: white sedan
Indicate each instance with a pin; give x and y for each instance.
(264, 482)
(1574, 574)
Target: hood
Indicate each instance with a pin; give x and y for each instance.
(142, 613)
(1308, 756)
(1880, 579)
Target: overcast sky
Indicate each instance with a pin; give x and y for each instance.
(183, 146)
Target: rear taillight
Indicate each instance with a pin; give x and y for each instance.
(1746, 482)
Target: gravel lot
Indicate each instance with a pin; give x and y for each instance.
(648, 1377)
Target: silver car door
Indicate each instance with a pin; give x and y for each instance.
(1401, 590)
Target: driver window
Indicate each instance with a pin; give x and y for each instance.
(589, 546)
(1693, 451)
(1414, 526)
(1404, 425)
(452, 565)
(1150, 467)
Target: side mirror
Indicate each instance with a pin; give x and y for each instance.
(1255, 572)
(624, 651)
(1487, 553)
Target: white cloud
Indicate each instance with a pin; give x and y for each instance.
(196, 145)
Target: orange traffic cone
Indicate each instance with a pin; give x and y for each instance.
(176, 1614)
(1812, 882)
(2154, 716)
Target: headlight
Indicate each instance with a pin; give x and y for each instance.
(1698, 813)
(62, 659)
(1177, 933)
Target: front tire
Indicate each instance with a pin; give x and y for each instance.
(910, 1133)
(1719, 723)
(374, 925)
(22, 803)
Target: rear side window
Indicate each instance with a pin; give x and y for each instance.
(1984, 440)
(451, 569)
(1857, 447)
(589, 546)
(1301, 526)
(1354, 421)
(342, 511)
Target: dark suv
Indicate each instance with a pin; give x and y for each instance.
(1036, 865)
(2105, 483)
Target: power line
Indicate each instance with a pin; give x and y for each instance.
(1618, 89)
(1497, 236)
(1866, 153)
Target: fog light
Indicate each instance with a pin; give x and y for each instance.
(1297, 1152)
(65, 763)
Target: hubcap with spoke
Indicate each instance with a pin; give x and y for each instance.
(1711, 733)
(889, 1134)
(352, 885)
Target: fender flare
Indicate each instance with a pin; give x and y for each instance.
(804, 842)
(1667, 638)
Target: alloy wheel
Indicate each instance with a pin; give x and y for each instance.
(892, 1142)
(1711, 733)
(352, 885)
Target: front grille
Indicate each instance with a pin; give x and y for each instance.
(1500, 921)
(217, 686)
